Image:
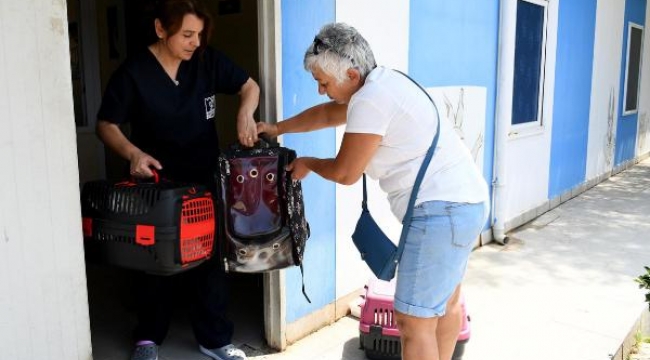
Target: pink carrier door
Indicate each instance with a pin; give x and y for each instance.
(253, 199)
(378, 307)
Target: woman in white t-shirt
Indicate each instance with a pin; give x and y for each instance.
(390, 124)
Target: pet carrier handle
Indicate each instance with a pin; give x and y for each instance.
(269, 140)
(133, 181)
(156, 177)
(264, 142)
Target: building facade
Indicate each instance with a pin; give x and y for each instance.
(550, 96)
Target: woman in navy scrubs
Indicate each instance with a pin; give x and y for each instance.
(167, 94)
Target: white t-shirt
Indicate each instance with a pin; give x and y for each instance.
(392, 106)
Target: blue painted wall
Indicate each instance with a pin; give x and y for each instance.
(454, 43)
(626, 128)
(301, 20)
(573, 70)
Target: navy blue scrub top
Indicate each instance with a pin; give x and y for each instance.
(173, 123)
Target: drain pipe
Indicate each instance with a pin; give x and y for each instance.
(503, 116)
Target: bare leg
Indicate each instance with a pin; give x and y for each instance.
(449, 326)
(431, 338)
(418, 336)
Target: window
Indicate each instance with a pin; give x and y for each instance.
(530, 51)
(633, 69)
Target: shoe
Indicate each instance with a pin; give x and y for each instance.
(145, 352)
(228, 352)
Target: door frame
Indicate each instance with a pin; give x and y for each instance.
(92, 93)
(270, 81)
(270, 59)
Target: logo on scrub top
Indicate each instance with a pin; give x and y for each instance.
(210, 107)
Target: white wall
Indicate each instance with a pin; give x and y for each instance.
(605, 83)
(387, 31)
(643, 143)
(43, 297)
(465, 108)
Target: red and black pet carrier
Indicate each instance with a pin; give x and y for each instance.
(262, 207)
(159, 227)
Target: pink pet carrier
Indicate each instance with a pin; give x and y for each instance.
(378, 333)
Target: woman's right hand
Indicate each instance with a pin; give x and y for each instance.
(141, 164)
(271, 130)
(299, 168)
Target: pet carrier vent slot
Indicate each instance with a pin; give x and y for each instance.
(384, 317)
(115, 238)
(123, 199)
(197, 248)
(197, 210)
(387, 346)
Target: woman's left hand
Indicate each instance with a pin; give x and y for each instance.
(246, 127)
(246, 130)
(299, 168)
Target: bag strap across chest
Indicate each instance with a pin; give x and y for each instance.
(406, 221)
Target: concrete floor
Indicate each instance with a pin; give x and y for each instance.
(562, 289)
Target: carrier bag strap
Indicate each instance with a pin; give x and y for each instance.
(287, 157)
(302, 275)
(406, 221)
(364, 202)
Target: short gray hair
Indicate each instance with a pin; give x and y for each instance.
(337, 48)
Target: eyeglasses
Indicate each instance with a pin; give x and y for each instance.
(318, 43)
(319, 47)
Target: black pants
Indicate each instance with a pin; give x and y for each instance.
(205, 290)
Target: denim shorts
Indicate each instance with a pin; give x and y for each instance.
(438, 245)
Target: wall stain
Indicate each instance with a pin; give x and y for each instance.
(56, 25)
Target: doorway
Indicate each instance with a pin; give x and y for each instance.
(106, 31)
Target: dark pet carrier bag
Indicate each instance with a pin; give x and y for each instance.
(263, 214)
(159, 227)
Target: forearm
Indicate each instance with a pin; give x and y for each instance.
(114, 138)
(330, 169)
(249, 100)
(315, 118)
(250, 97)
(348, 166)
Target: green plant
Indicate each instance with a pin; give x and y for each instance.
(644, 283)
(639, 339)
